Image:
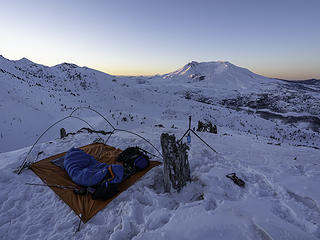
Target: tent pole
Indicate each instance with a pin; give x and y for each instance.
(24, 163)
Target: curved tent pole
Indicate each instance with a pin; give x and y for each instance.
(121, 130)
(95, 112)
(115, 129)
(23, 165)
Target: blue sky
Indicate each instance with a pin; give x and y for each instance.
(137, 37)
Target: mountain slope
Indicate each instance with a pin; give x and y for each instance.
(34, 96)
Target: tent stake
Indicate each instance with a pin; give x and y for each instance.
(79, 225)
(78, 229)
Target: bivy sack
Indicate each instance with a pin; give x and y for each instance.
(83, 168)
(99, 179)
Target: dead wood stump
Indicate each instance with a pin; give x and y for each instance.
(63, 133)
(207, 127)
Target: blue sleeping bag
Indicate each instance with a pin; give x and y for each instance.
(85, 170)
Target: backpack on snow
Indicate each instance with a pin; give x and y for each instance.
(133, 159)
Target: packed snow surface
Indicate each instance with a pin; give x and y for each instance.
(268, 134)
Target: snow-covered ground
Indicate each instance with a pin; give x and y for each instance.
(268, 133)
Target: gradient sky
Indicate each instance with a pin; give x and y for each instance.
(275, 38)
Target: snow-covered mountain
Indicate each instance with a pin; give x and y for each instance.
(222, 75)
(268, 133)
(279, 109)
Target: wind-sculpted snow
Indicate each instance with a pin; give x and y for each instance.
(280, 200)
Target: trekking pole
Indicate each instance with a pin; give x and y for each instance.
(188, 131)
(52, 185)
(189, 137)
(203, 141)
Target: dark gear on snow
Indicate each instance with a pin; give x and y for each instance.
(105, 190)
(235, 179)
(133, 159)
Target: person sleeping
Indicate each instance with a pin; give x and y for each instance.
(100, 179)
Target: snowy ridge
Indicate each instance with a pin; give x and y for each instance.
(39, 92)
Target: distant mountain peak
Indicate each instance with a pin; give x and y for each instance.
(192, 64)
(195, 68)
(210, 64)
(24, 61)
(66, 65)
(220, 74)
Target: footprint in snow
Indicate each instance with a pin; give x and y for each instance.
(158, 219)
(283, 211)
(306, 201)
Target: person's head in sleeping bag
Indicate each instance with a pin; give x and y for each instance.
(109, 186)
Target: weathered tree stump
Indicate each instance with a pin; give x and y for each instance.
(176, 167)
(207, 127)
(63, 133)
